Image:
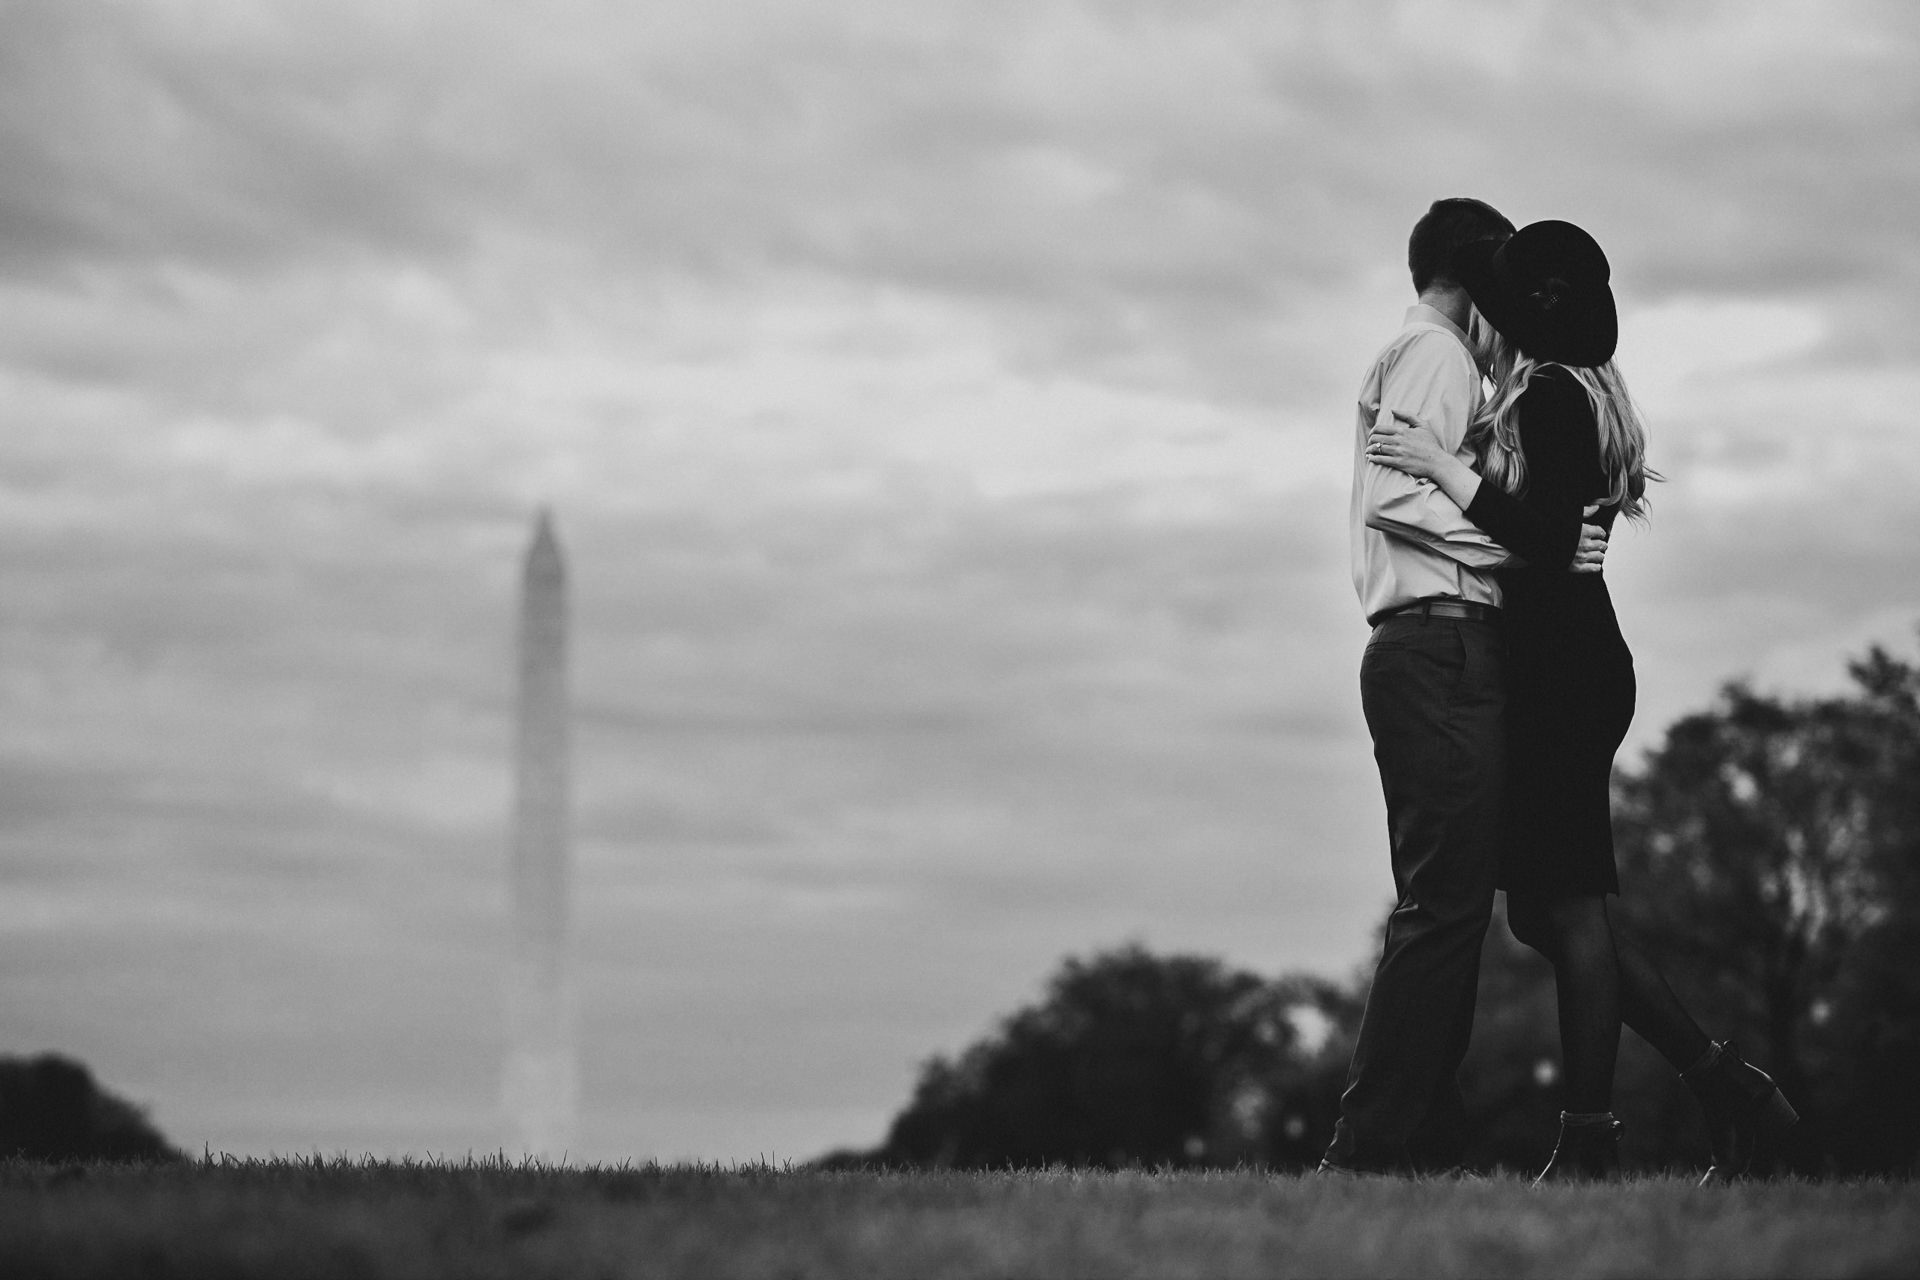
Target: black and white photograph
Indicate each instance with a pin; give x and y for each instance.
(1082, 638)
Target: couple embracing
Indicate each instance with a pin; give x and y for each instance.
(1497, 687)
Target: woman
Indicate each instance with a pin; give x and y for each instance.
(1559, 435)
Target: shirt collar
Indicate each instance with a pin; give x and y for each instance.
(1421, 313)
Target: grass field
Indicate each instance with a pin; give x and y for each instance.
(298, 1218)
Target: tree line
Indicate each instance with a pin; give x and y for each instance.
(1770, 853)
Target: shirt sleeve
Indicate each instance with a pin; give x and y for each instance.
(1431, 379)
(1557, 437)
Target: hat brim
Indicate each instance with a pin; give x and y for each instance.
(1584, 335)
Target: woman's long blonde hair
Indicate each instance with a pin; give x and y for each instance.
(1495, 432)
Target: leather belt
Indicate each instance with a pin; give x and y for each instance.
(1441, 609)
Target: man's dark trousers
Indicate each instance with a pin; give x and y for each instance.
(1433, 690)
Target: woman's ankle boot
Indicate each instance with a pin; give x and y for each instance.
(1746, 1112)
(1588, 1149)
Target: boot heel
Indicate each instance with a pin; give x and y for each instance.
(1745, 1112)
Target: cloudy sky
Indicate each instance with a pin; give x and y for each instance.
(945, 407)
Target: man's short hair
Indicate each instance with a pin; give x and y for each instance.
(1443, 231)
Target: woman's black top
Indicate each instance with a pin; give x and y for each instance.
(1570, 686)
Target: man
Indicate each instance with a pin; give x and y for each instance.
(1431, 686)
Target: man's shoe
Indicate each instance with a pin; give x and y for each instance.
(1746, 1112)
(1588, 1149)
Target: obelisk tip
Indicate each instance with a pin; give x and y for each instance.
(544, 549)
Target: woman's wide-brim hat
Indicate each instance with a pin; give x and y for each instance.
(1545, 289)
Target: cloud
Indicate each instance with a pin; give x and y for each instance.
(1148, 197)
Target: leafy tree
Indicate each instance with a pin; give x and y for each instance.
(1771, 851)
(1303, 1085)
(51, 1109)
(1129, 1059)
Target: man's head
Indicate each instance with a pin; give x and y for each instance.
(1443, 231)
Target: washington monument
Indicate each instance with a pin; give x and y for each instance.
(541, 1086)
